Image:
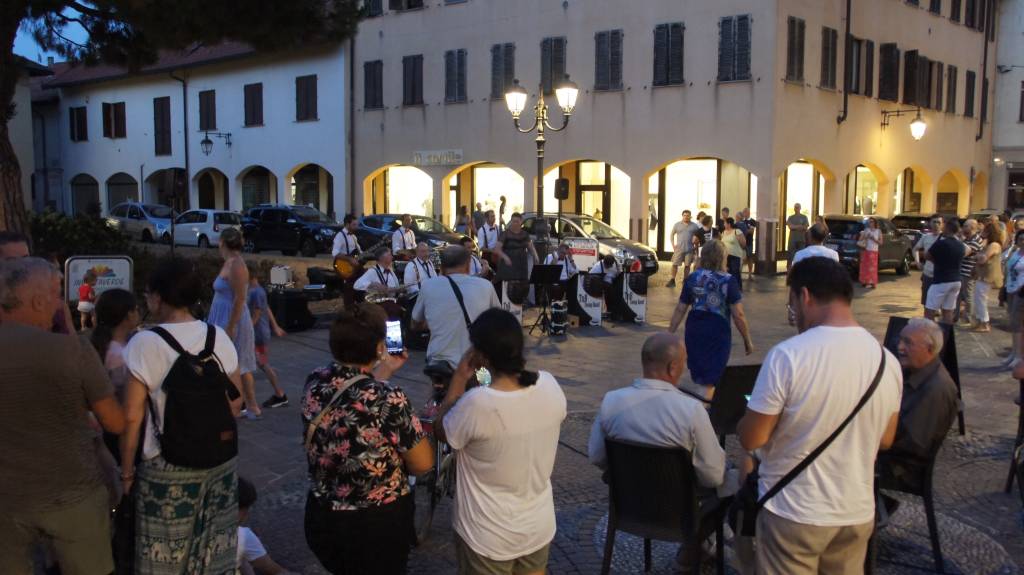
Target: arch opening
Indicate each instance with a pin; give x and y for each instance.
(259, 186)
(484, 183)
(399, 189)
(167, 188)
(212, 190)
(595, 188)
(121, 187)
(311, 185)
(85, 195)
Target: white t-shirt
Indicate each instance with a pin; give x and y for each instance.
(417, 272)
(250, 548)
(813, 381)
(816, 252)
(506, 444)
(149, 359)
(608, 274)
(924, 244)
(436, 305)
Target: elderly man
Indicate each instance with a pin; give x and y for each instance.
(654, 411)
(816, 236)
(51, 484)
(419, 270)
(928, 407)
(972, 239)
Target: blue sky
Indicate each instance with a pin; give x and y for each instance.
(25, 46)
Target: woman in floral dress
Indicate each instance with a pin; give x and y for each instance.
(362, 441)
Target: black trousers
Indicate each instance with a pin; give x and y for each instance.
(734, 265)
(373, 541)
(617, 306)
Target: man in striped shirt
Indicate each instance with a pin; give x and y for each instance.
(972, 239)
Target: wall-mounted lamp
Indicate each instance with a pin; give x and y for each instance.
(207, 144)
(917, 126)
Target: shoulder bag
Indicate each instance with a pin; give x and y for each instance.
(311, 428)
(462, 303)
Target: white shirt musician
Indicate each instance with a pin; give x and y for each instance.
(404, 238)
(419, 269)
(608, 268)
(563, 258)
(379, 276)
(345, 242)
(487, 235)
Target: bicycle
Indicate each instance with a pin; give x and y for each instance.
(430, 487)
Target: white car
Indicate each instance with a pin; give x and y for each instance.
(202, 228)
(147, 222)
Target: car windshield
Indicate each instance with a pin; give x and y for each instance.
(844, 229)
(158, 211)
(227, 219)
(313, 215)
(429, 225)
(596, 228)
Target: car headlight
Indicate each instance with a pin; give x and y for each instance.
(325, 233)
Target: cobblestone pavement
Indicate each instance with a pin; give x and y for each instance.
(980, 527)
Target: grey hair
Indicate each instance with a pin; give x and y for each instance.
(16, 273)
(454, 257)
(931, 329)
(659, 349)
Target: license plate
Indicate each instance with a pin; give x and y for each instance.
(649, 264)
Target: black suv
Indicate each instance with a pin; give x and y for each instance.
(895, 253)
(290, 229)
(914, 225)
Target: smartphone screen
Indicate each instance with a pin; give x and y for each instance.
(393, 337)
(747, 397)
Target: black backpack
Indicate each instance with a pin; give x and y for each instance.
(198, 429)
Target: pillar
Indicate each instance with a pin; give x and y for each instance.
(886, 195)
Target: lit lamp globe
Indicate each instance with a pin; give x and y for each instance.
(918, 127)
(515, 99)
(566, 92)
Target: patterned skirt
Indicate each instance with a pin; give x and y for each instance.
(868, 267)
(186, 520)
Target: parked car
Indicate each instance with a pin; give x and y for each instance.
(914, 225)
(202, 228)
(631, 255)
(147, 222)
(376, 228)
(289, 229)
(895, 253)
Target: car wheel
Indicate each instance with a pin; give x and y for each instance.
(204, 242)
(308, 248)
(288, 253)
(147, 236)
(904, 267)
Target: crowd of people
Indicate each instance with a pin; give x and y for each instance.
(147, 418)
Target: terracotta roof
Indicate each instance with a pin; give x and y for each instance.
(33, 68)
(74, 75)
(40, 91)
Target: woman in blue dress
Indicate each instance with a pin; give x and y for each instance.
(712, 297)
(230, 312)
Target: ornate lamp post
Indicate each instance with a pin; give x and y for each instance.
(566, 93)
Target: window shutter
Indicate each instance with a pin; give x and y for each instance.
(790, 48)
(954, 10)
(557, 61)
(374, 8)
(497, 75)
(970, 13)
(460, 77)
(508, 66)
(108, 121)
(801, 31)
(367, 89)
(969, 85)
(602, 56)
(661, 56)
(867, 84)
(984, 99)
(889, 73)
(726, 49)
(120, 121)
(924, 69)
(396, 4)
(937, 85)
(743, 47)
(545, 64)
(450, 80)
(162, 125)
(300, 99)
(936, 6)
(207, 110)
(675, 53)
(615, 57)
(910, 74)
(311, 95)
(418, 79)
(951, 80)
(406, 80)
(826, 57)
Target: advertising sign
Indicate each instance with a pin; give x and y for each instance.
(111, 272)
(590, 302)
(634, 291)
(508, 305)
(584, 252)
(437, 158)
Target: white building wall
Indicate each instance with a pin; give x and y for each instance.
(1008, 128)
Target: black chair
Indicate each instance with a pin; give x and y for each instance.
(1014, 457)
(918, 483)
(652, 493)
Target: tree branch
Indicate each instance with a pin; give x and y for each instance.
(62, 37)
(91, 11)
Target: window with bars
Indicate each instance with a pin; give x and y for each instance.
(951, 80)
(455, 76)
(795, 32)
(373, 85)
(607, 60)
(79, 123)
(734, 48)
(889, 72)
(305, 98)
(668, 54)
(412, 80)
(829, 55)
(162, 126)
(208, 110)
(114, 120)
(253, 94)
(861, 70)
(552, 62)
(503, 69)
(970, 79)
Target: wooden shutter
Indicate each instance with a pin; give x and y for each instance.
(937, 85)
(661, 54)
(207, 110)
(557, 61)
(602, 79)
(79, 124)
(868, 61)
(935, 7)
(451, 87)
(497, 75)
(727, 49)
(108, 120)
(675, 53)
(162, 125)
(955, 10)
(924, 76)
(801, 31)
(417, 78)
(407, 80)
(508, 66)
(545, 64)
(743, 47)
(984, 99)
(311, 97)
(795, 30)
(254, 104)
(970, 13)
(460, 76)
(951, 81)
(374, 8)
(120, 121)
(614, 60)
(889, 72)
(828, 57)
(969, 85)
(910, 74)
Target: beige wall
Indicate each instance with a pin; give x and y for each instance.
(762, 125)
(20, 127)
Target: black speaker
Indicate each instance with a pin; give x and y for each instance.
(291, 309)
(562, 189)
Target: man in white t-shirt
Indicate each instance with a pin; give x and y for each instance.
(683, 246)
(808, 385)
(815, 238)
(924, 243)
(438, 308)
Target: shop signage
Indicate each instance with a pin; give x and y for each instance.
(111, 272)
(437, 158)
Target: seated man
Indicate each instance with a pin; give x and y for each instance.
(654, 411)
(928, 407)
(611, 273)
(380, 279)
(477, 267)
(561, 257)
(419, 270)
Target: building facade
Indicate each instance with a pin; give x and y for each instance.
(696, 105)
(216, 127)
(20, 125)
(1008, 128)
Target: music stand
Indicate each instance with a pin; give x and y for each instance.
(541, 277)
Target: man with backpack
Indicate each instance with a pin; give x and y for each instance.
(824, 403)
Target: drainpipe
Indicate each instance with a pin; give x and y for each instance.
(188, 175)
(989, 17)
(350, 148)
(846, 67)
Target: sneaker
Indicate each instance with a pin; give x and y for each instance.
(276, 401)
(671, 283)
(253, 416)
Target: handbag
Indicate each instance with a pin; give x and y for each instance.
(311, 428)
(747, 501)
(862, 241)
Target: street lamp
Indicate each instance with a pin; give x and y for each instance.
(207, 144)
(516, 97)
(917, 126)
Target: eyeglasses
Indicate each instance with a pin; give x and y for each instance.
(792, 314)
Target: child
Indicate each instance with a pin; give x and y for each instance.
(87, 299)
(263, 321)
(252, 556)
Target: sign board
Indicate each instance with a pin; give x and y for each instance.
(584, 252)
(508, 305)
(637, 302)
(589, 303)
(111, 272)
(437, 158)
